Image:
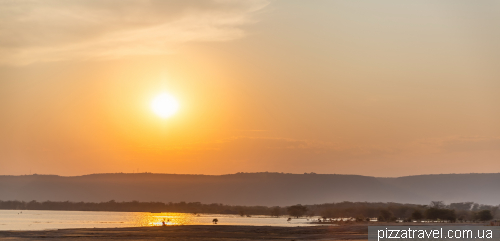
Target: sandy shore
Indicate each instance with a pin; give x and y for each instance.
(195, 233)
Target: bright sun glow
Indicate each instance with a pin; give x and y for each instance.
(164, 105)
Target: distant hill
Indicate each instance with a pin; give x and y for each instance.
(253, 188)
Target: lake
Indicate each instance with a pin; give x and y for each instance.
(42, 220)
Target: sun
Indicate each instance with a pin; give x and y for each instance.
(164, 105)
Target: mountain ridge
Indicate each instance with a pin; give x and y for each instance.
(264, 188)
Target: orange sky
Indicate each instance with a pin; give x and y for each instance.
(386, 88)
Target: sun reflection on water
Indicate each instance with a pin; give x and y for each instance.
(157, 219)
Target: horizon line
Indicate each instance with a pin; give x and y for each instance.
(285, 173)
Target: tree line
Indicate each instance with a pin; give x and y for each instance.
(360, 211)
(136, 206)
(391, 212)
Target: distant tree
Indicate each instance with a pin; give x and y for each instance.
(297, 210)
(360, 218)
(276, 211)
(494, 211)
(241, 212)
(417, 215)
(449, 215)
(386, 215)
(432, 213)
(215, 221)
(33, 205)
(484, 215)
(328, 213)
(440, 214)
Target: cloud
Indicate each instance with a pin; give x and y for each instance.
(56, 30)
(280, 151)
(276, 150)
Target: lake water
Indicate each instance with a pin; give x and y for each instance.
(42, 220)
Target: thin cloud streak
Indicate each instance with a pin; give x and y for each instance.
(61, 30)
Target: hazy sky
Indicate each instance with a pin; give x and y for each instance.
(380, 88)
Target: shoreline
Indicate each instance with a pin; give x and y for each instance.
(196, 232)
(353, 232)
